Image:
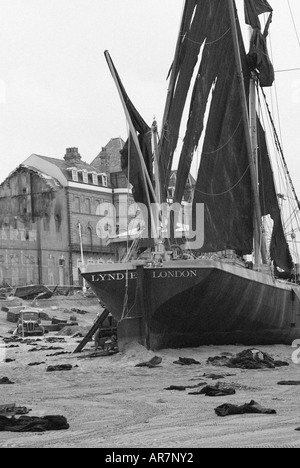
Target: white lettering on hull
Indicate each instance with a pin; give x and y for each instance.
(156, 274)
(174, 274)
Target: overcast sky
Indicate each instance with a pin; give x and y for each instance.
(56, 90)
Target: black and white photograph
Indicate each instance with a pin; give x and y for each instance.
(150, 226)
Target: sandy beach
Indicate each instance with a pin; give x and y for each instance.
(111, 403)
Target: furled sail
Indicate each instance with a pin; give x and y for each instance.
(258, 57)
(279, 248)
(130, 160)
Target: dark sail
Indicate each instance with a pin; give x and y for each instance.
(131, 165)
(223, 183)
(279, 249)
(254, 8)
(130, 161)
(258, 57)
(197, 15)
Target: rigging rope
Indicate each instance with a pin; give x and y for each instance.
(292, 16)
(227, 142)
(184, 36)
(125, 302)
(226, 191)
(280, 150)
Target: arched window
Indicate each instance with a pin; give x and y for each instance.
(90, 235)
(57, 223)
(46, 222)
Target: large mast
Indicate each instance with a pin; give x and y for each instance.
(258, 238)
(253, 136)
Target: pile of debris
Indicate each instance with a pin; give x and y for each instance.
(247, 359)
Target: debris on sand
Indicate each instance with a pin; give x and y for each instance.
(184, 387)
(101, 353)
(59, 367)
(59, 353)
(46, 348)
(79, 311)
(13, 339)
(6, 381)
(33, 424)
(252, 407)
(289, 382)
(36, 363)
(155, 361)
(186, 361)
(180, 388)
(55, 339)
(22, 410)
(217, 376)
(247, 359)
(215, 390)
(32, 291)
(78, 335)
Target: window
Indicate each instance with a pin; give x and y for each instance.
(102, 180)
(57, 223)
(95, 179)
(171, 191)
(87, 205)
(46, 222)
(23, 205)
(90, 236)
(98, 207)
(75, 175)
(77, 204)
(85, 177)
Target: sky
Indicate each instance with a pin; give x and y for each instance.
(56, 90)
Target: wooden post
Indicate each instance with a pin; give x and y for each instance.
(92, 331)
(141, 303)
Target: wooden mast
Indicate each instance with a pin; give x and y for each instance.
(258, 241)
(159, 251)
(253, 136)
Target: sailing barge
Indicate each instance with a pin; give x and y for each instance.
(211, 294)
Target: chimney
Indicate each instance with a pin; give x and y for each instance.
(104, 159)
(72, 156)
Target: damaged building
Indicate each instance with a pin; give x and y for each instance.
(50, 215)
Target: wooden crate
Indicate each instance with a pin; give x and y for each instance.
(13, 316)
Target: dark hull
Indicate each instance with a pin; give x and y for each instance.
(192, 303)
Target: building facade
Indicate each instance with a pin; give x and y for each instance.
(57, 213)
(54, 214)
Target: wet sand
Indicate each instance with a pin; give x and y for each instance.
(110, 403)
